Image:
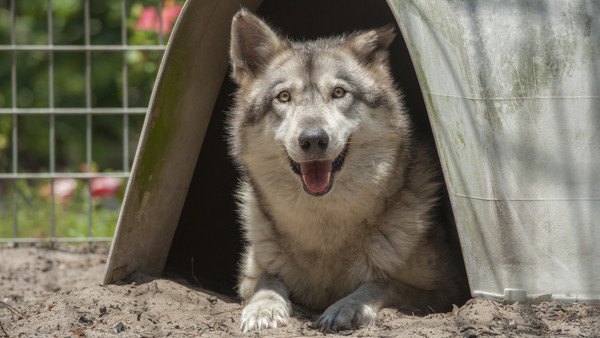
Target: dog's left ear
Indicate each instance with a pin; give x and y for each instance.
(368, 45)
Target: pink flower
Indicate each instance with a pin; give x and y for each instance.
(149, 20)
(64, 189)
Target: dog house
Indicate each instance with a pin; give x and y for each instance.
(511, 90)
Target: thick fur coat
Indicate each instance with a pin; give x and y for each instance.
(338, 199)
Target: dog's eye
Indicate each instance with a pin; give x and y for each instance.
(338, 92)
(284, 96)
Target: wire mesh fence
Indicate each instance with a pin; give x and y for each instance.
(75, 79)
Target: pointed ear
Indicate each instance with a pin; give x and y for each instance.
(253, 45)
(368, 45)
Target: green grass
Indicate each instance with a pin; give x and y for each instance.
(34, 212)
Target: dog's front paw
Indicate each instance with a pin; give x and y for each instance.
(345, 315)
(264, 313)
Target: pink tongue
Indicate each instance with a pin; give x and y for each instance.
(316, 175)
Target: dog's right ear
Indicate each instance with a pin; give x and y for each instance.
(373, 44)
(253, 45)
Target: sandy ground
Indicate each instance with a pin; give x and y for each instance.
(57, 293)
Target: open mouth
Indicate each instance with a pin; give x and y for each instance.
(317, 176)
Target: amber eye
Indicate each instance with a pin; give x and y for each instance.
(338, 92)
(284, 96)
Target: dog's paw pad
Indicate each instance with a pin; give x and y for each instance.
(264, 314)
(345, 316)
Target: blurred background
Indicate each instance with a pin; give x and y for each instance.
(75, 79)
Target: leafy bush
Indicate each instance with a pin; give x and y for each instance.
(34, 210)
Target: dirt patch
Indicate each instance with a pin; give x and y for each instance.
(58, 293)
(29, 273)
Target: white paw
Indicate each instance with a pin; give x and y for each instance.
(345, 315)
(264, 313)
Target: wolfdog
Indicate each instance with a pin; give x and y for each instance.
(337, 198)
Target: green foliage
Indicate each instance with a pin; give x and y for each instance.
(70, 79)
(33, 77)
(5, 127)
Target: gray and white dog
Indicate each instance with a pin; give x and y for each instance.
(338, 199)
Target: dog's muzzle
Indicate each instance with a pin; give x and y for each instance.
(317, 176)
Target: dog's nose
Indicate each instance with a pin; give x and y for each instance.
(313, 140)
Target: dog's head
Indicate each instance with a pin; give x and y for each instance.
(311, 107)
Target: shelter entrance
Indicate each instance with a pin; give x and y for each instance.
(208, 240)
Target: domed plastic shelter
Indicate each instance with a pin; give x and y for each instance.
(511, 90)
